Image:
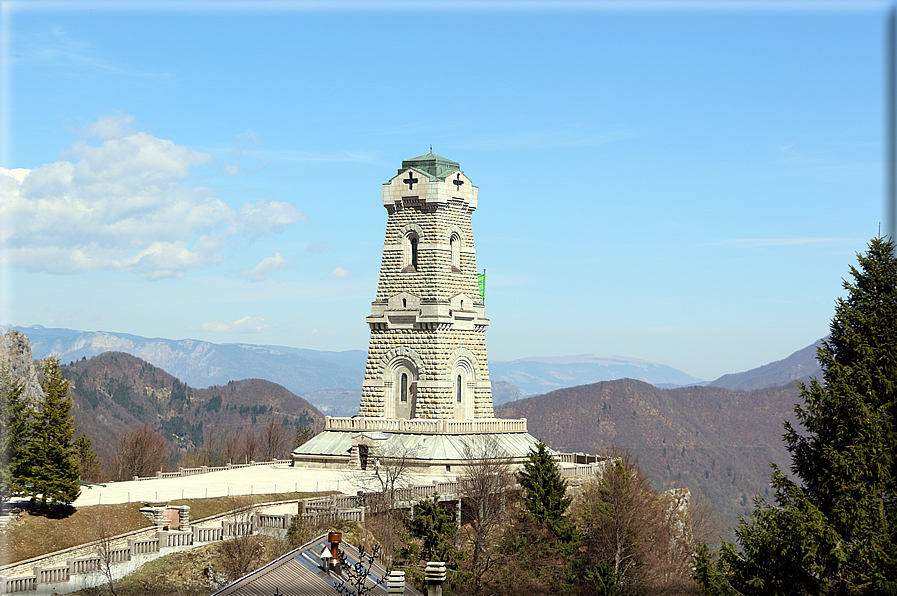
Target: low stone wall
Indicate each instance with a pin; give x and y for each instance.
(87, 565)
(439, 426)
(206, 469)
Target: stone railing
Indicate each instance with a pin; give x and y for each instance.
(206, 469)
(418, 426)
(578, 458)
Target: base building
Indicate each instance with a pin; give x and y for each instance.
(426, 391)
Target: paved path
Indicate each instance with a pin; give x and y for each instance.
(240, 481)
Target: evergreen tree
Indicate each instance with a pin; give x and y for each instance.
(88, 462)
(542, 541)
(52, 462)
(546, 490)
(14, 413)
(834, 533)
(436, 529)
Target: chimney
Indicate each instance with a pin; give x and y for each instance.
(334, 538)
(395, 583)
(435, 577)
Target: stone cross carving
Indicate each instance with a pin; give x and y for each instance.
(458, 182)
(410, 181)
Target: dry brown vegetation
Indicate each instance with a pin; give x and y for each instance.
(33, 534)
(716, 442)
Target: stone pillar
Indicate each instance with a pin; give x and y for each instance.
(395, 583)
(435, 577)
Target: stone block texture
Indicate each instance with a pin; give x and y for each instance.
(427, 352)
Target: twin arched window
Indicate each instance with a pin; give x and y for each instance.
(411, 241)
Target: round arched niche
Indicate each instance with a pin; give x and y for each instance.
(401, 373)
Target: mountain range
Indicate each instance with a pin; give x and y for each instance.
(716, 438)
(714, 441)
(535, 376)
(330, 380)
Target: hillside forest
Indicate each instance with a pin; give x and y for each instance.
(116, 393)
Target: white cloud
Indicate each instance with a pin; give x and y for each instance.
(111, 127)
(316, 247)
(267, 217)
(260, 272)
(244, 325)
(339, 273)
(120, 206)
(247, 141)
(232, 169)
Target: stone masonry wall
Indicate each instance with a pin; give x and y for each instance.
(435, 209)
(434, 279)
(435, 385)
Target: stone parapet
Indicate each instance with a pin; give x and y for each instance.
(426, 427)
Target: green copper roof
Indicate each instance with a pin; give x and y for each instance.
(434, 166)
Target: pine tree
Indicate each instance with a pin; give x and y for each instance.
(14, 412)
(546, 491)
(52, 468)
(834, 533)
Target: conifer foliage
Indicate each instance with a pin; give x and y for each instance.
(51, 470)
(834, 532)
(545, 488)
(14, 412)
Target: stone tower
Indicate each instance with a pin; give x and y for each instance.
(426, 396)
(427, 352)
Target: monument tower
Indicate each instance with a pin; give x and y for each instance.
(426, 390)
(427, 353)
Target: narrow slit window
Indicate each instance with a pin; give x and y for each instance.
(458, 390)
(414, 253)
(455, 243)
(403, 396)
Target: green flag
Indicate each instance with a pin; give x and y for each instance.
(481, 279)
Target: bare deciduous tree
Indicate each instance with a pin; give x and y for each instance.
(627, 536)
(488, 488)
(275, 440)
(241, 552)
(251, 446)
(140, 452)
(389, 471)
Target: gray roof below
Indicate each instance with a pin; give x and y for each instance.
(424, 447)
(297, 574)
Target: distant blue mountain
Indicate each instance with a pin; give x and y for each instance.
(535, 376)
(201, 363)
(331, 380)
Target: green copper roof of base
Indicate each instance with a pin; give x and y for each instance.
(431, 164)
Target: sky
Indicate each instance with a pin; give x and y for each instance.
(685, 183)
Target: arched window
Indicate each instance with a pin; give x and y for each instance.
(403, 394)
(458, 390)
(409, 260)
(455, 243)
